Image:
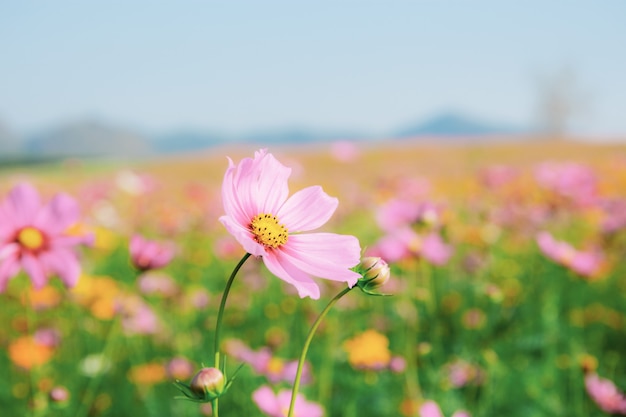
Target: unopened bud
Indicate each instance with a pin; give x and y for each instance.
(374, 271)
(208, 381)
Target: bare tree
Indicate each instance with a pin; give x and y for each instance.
(560, 102)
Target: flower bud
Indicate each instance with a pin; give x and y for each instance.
(208, 381)
(375, 272)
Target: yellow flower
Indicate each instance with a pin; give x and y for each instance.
(98, 294)
(147, 374)
(27, 352)
(368, 350)
(46, 297)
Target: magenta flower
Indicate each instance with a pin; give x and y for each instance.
(614, 215)
(34, 237)
(157, 283)
(605, 394)
(263, 362)
(461, 373)
(179, 368)
(584, 263)
(266, 223)
(137, 316)
(397, 364)
(344, 151)
(497, 176)
(397, 213)
(404, 243)
(277, 405)
(570, 181)
(435, 250)
(431, 409)
(149, 254)
(394, 246)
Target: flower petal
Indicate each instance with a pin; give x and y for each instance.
(59, 214)
(271, 184)
(283, 269)
(389, 247)
(231, 197)
(307, 209)
(430, 409)
(64, 263)
(22, 204)
(7, 228)
(9, 250)
(9, 267)
(325, 255)
(265, 399)
(65, 241)
(35, 270)
(254, 186)
(243, 236)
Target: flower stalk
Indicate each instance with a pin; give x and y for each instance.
(218, 324)
(307, 343)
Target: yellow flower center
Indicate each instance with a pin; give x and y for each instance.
(268, 231)
(275, 366)
(30, 238)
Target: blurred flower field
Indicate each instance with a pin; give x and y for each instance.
(507, 286)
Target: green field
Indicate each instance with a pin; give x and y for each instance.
(498, 329)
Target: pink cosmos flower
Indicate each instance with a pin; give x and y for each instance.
(397, 364)
(157, 283)
(179, 368)
(137, 316)
(584, 263)
(431, 409)
(404, 242)
(461, 373)
(344, 151)
(149, 254)
(35, 237)
(571, 181)
(48, 337)
(397, 213)
(604, 393)
(266, 223)
(614, 215)
(496, 176)
(394, 246)
(263, 362)
(277, 405)
(435, 250)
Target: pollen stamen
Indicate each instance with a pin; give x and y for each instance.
(268, 231)
(30, 238)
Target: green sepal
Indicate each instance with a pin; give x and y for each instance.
(190, 395)
(363, 285)
(206, 397)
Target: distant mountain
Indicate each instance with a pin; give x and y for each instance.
(87, 138)
(297, 135)
(453, 124)
(9, 142)
(187, 141)
(95, 138)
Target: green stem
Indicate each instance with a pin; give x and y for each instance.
(30, 326)
(218, 325)
(305, 348)
(94, 382)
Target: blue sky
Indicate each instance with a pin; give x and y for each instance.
(372, 66)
